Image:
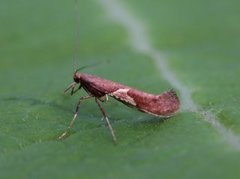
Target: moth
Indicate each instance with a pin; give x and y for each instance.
(163, 105)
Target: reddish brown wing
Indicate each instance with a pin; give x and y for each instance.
(97, 86)
(163, 105)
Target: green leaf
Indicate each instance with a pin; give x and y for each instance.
(200, 40)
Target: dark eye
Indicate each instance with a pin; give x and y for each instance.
(76, 79)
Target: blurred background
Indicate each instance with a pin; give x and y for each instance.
(200, 41)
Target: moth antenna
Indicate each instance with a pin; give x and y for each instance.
(77, 36)
(92, 65)
(88, 66)
(74, 65)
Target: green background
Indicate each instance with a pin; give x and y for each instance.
(200, 40)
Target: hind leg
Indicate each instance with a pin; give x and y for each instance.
(106, 120)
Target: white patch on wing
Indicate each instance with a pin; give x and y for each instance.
(122, 94)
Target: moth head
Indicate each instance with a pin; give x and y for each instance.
(77, 74)
(76, 77)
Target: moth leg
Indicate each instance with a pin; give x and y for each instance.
(74, 91)
(71, 86)
(107, 121)
(104, 98)
(74, 117)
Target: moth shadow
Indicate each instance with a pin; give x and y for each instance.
(152, 120)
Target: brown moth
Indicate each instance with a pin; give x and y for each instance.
(164, 105)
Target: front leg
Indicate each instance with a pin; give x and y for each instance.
(74, 117)
(74, 91)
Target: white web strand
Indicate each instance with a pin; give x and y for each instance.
(140, 42)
